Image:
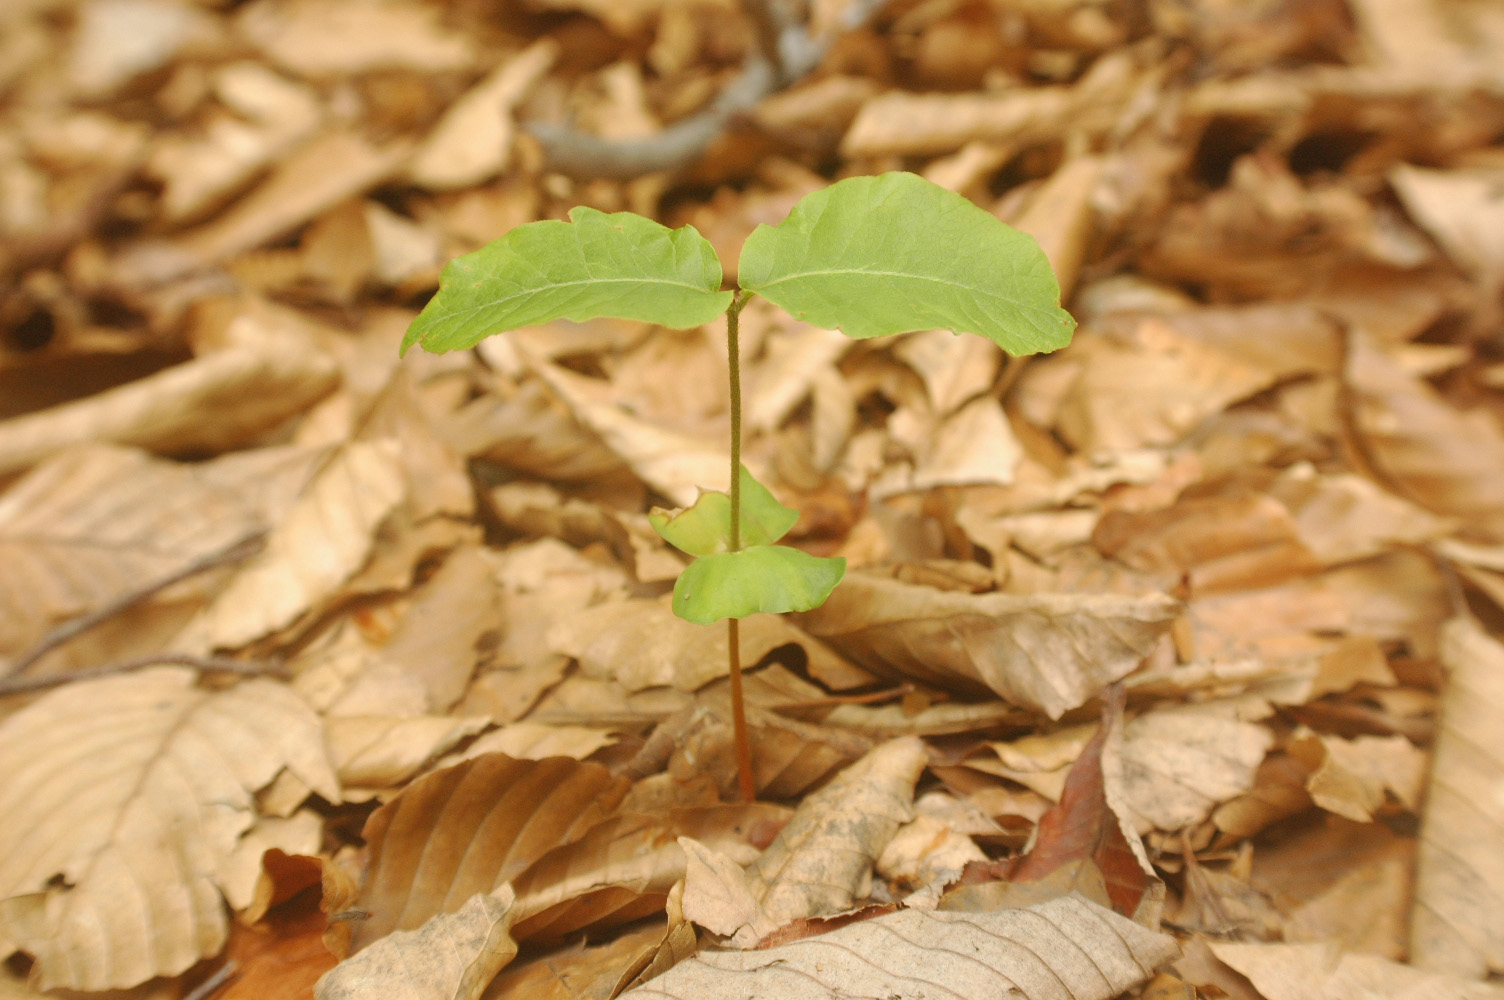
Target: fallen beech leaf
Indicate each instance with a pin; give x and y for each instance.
(240, 871)
(327, 37)
(247, 390)
(324, 539)
(1063, 949)
(1457, 921)
(453, 956)
(372, 752)
(624, 867)
(469, 828)
(1319, 972)
(439, 641)
(1047, 652)
(1448, 461)
(1463, 211)
(151, 785)
(580, 970)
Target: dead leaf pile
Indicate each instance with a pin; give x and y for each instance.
(1169, 662)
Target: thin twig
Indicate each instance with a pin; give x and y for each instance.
(210, 986)
(68, 630)
(219, 664)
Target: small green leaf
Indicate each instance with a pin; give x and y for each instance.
(705, 528)
(771, 578)
(595, 265)
(873, 256)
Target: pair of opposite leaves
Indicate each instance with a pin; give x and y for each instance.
(870, 256)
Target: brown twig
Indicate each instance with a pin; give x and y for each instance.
(219, 664)
(74, 627)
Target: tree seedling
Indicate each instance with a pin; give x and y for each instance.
(870, 256)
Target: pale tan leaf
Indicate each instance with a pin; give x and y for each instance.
(1047, 652)
(535, 741)
(474, 138)
(1319, 972)
(247, 390)
(441, 638)
(329, 37)
(954, 369)
(1457, 923)
(134, 789)
(1176, 765)
(1064, 949)
(1345, 517)
(372, 752)
(1463, 211)
(453, 956)
(469, 828)
(240, 870)
(324, 539)
(99, 522)
(925, 855)
(1352, 778)
(1448, 461)
(820, 860)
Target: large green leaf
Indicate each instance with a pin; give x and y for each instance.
(594, 265)
(705, 528)
(772, 578)
(873, 256)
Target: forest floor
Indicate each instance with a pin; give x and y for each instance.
(1166, 665)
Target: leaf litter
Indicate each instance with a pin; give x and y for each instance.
(1257, 496)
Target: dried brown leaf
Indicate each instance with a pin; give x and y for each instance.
(133, 790)
(1047, 652)
(452, 618)
(1457, 923)
(469, 828)
(1320, 972)
(1065, 948)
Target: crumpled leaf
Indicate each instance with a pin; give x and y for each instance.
(874, 256)
(595, 265)
(1063, 949)
(1177, 764)
(1047, 652)
(453, 956)
(133, 789)
(469, 828)
(1457, 922)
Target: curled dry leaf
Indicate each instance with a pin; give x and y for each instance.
(133, 790)
(468, 828)
(323, 540)
(1457, 922)
(1176, 765)
(1047, 652)
(1353, 778)
(453, 956)
(1063, 949)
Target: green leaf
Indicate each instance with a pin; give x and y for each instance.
(704, 528)
(873, 256)
(595, 265)
(771, 578)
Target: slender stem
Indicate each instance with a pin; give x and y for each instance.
(744, 780)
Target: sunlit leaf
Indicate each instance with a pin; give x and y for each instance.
(873, 256)
(705, 528)
(771, 578)
(595, 265)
